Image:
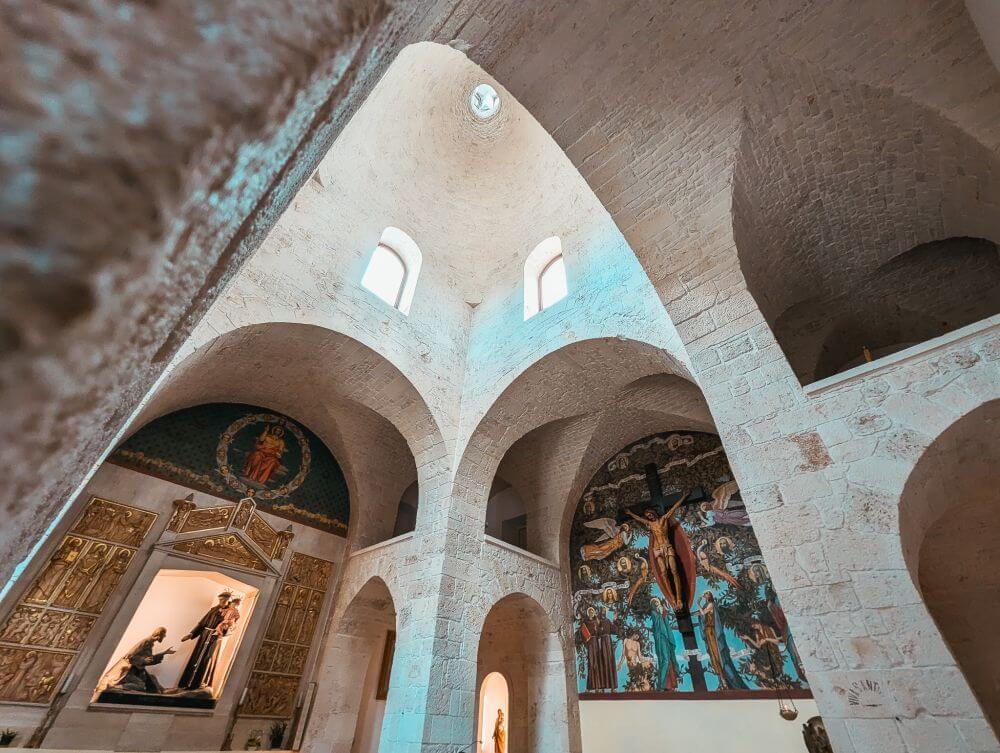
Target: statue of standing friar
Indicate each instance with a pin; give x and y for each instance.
(200, 669)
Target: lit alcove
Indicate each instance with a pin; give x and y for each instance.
(544, 277)
(393, 269)
(176, 601)
(494, 700)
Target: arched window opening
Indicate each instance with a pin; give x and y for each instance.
(507, 515)
(393, 269)
(385, 275)
(544, 277)
(494, 714)
(552, 283)
(406, 514)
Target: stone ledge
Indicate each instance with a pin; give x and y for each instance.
(519, 551)
(913, 353)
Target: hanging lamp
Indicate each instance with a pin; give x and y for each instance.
(786, 706)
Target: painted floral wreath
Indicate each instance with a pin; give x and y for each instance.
(222, 456)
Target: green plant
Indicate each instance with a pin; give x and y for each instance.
(277, 733)
(7, 736)
(254, 740)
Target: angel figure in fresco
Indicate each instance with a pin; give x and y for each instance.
(706, 566)
(636, 661)
(714, 634)
(665, 538)
(613, 537)
(664, 645)
(718, 511)
(261, 464)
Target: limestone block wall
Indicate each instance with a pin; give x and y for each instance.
(822, 475)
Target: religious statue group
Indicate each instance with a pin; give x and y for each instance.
(131, 673)
(673, 589)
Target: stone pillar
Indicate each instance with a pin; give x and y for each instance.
(822, 474)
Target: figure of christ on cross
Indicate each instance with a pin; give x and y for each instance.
(682, 569)
(661, 551)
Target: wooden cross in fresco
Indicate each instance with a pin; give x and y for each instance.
(685, 624)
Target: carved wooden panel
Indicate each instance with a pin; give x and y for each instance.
(242, 516)
(40, 636)
(226, 548)
(110, 521)
(181, 509)
(207, 518)
(281, 659)
(262, 534)
(311, 572)
(28, 675)
(270, 695)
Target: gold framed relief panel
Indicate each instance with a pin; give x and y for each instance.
(42, 633)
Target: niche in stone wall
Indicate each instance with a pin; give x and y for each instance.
(494, 714)
(670, 593)
(180, 644)
(406, 513)
(506, 514)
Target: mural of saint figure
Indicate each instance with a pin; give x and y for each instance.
(670, 556)
(715, 642)
(130, 673)
(200, 668)
(663, 644)
(596, 632)
(781, 623)
(261, 464)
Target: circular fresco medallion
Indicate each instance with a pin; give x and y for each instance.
(263, 456)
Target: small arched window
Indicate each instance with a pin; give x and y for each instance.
(544, 277)
(552, 283)
(393, 269)
(385, 275)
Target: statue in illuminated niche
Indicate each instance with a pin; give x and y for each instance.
(499, 733)
(130, 673)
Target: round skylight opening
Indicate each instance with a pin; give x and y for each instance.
(484, 102)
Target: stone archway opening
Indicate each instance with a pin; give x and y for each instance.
(406, 513)
(494, 714)
(519, 642)
(949, 517)
(354, 675)
(507, 514)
